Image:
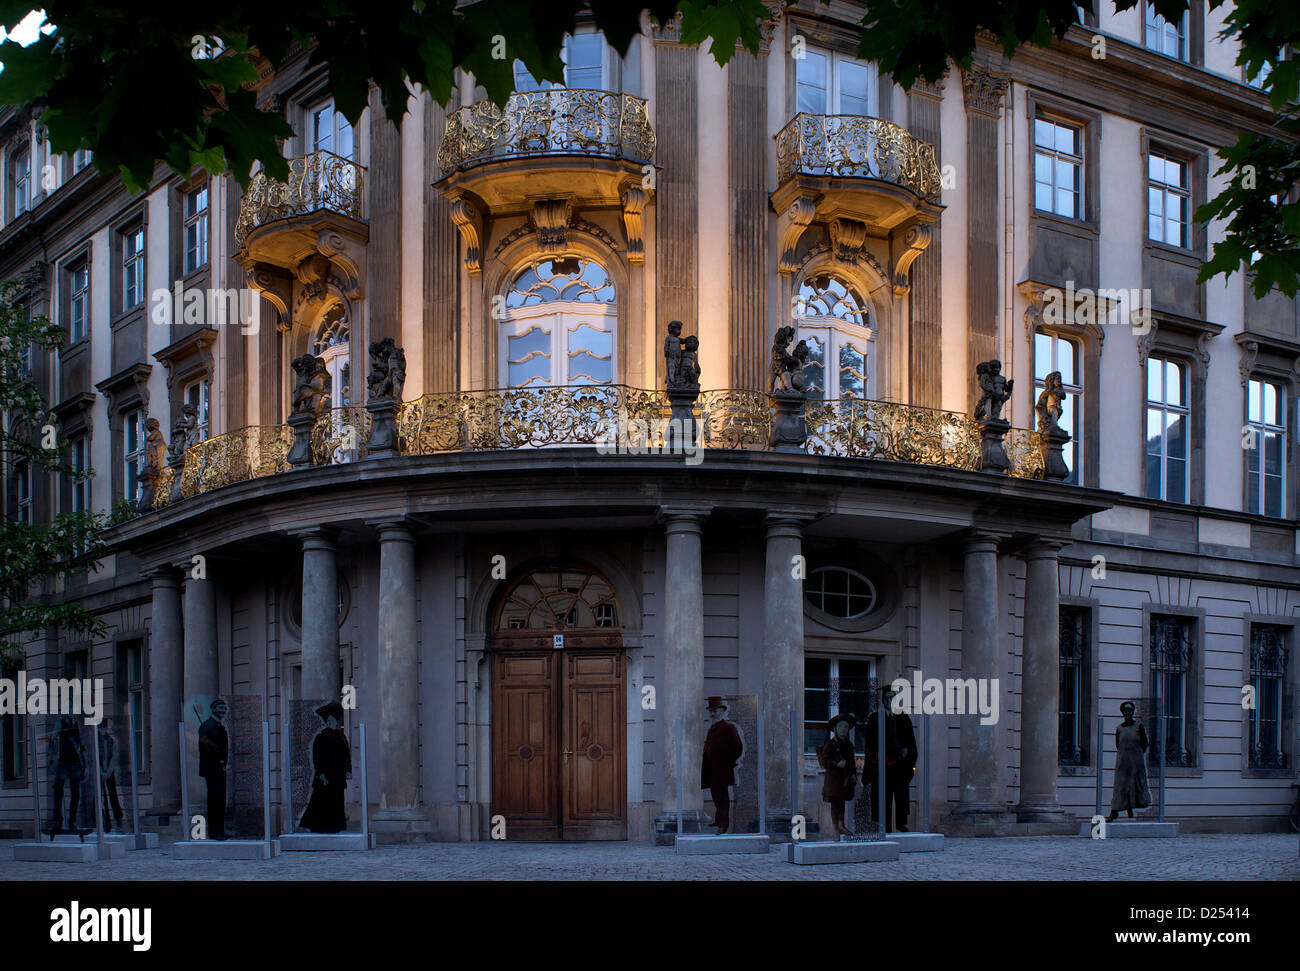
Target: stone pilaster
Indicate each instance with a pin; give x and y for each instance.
(202, 671)
(320, 615)
(399, 695)
(1040, 675)
(166, 655)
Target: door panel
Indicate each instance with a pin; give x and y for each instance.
(523, 745)
(593, 773)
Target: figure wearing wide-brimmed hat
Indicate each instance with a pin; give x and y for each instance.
(837, 757)
(722, 750)
(1129, 790)
(331, 760)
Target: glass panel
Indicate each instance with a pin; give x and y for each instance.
(1153, 379)
(1254, 394)
(529, 357)
(523, 80)
(1043, 168)
(1065, 361)
(852, 372)
(1155, 168)
(810, 83)
(1042, 356)
(1065, 203)
(855, 89)
(583, 56)
(1067, 139)
(1272, 404)
(1043, 133)
(590, 355)
(1173, 383)
(814, 370)
(1153, 476)
(1042, 196)
(1177, 481)
(1272, 449)
(1177, 437)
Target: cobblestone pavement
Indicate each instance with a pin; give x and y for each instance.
(1253, 857)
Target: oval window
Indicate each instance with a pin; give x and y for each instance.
(840, 592)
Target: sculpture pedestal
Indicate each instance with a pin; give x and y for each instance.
(682, 428)
(789, 430)
(299, 456)
(1053, 443)
(382, 443)
(992, 452)
(177, 468)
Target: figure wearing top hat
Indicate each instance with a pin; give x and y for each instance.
(837, 757)
(67, 758)
(214, 753)
(331, 763)
(900, 760)
(722, 750)
(1129, 790)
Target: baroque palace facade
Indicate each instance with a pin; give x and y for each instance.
(527, 615)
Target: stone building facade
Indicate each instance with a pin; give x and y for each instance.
(525, 613)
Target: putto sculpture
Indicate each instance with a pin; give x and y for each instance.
(1052, 437)
(787, 366)
(672, 352)
(996, 390)
(1050, 402)
(789, 430)
(311, 388)
(185, 432)
(387, 370)
(155, 457)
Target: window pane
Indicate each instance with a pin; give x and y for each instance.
(1043, 196)
(810, 82)
(1154, 366)
(1177, 490)
(1272, 404)
(1065, 203)
(855, 88)
(1173, 383)
(1065, 361)
(1043, 133)
(852, 372)
(1067, 139)
(1155, 168)
(1177, 437)
(1254, 393)
(1042, 356)
(1153, 476)
(1043, 168)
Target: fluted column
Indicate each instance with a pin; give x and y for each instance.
(1040, 684)
(683, 689)
(320, 615)
(782, 660)
(399, 693)
(166, 656)
(979, 640)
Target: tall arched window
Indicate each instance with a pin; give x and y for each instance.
(333, 342)
(559, 326)
(834, 319)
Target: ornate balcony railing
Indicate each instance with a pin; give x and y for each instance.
(858, 147)
(608, 417)
(561, 121)
(319, 181)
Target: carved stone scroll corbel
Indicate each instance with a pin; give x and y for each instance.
(634, 200)
(790, 225)
(906, 247)
(469, 222)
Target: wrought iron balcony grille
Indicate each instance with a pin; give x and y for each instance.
(1269, 655)
(559, 121)
(319, 181)
(1172, 650)
(856, 146)
(609, 417)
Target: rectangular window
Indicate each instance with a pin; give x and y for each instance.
(80, 159)
(23, 489)
(329, 131)
(196, 394)
(135, 699)
(77, 458)
(1073, 735)
(834, 84)
(1167, 431)
(79, 301)
(1053, 353)
(20, 180)
(1058, 168)
(834, 685)
(132, 453)
(13, 747)
(133, 268)
(1269, 654)
(584, 57)
(1168, 200)
(196, 229)
(1264, 446)
(1173, 686)
(1164, 37)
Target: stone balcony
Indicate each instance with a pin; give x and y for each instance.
(610, 419)
(548, 154)
(866, 179)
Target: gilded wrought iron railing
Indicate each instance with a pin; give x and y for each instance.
(860, 147)
(321, 180)
(1025, 450)
(246, 453)
(498, 418)
(861, 428)
(339, 435)
(561, 121)
(735, 418)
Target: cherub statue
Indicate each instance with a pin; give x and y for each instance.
(688, 370)
(185, 432)
(673, 353)
(801, 358)
(311, 387)
(1050, 402)
(997, 390)
(786, 367)
(387, 370)
(155, 457)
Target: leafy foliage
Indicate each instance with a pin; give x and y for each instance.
(67, 546)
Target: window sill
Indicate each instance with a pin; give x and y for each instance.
(128, 317)
(1174, 254)
(1079, 227)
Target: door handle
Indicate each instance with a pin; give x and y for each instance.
(567, 755)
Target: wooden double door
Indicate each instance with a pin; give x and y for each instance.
(559, 735)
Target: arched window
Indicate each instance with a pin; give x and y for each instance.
(333, 343)
(834, 319)
(559, 326)
(553, 600)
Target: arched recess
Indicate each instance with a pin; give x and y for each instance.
(318, 313)
(866, 280)
(500, 272)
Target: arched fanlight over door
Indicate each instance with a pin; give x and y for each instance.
(560, 326)
(558, 599)
(835, 320)
(333, 344)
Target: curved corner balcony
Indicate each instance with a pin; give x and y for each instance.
(609, 418)
(857, 147)
(574, 143)
(324, 192)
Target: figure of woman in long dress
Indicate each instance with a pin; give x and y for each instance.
(1129, 791)
(331, 762)
(837, 758)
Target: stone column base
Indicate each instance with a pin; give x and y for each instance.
(1038, 812)
(405, 825)
(694, 823)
